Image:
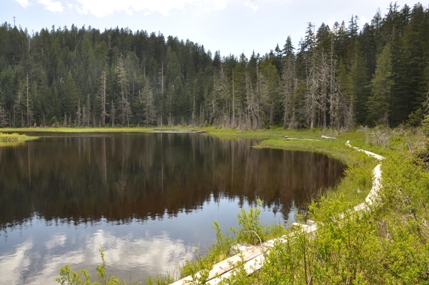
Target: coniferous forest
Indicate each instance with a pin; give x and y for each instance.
(340, 77)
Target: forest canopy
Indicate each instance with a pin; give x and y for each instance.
(340, 77)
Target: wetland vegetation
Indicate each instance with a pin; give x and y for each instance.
(388, 244)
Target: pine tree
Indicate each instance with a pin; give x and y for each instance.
(149, 106)
(381, 85)
(123, 89)
(102, 97)
(289, 84)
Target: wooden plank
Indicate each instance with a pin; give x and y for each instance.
(219, 269)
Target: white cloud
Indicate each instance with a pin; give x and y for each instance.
(51, 5)
(158, 252)
(363, 20)
(12, 265)
(147, 254)
(213, 5)
(56, 240)
(23, 3)
(252, 6)
(102, 8)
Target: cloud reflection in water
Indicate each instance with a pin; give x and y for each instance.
(128, 256)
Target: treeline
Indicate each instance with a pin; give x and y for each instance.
(339, 76)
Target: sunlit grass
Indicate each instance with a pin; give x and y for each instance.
(14, 139)
(79, 130)
(104, 129)
(263, 134)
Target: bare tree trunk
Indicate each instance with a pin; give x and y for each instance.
(65, 120)
(293, 121)
(233, 101)
(194, 111)
(324, 81)
(311, 97)
(289, 87)
(28, 105)
(112, 114)
(78, 113)
(334, 96)
(162, 78)
(103, 100)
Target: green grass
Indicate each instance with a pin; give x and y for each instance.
(14, 139)
(263, 134)
(78, 130)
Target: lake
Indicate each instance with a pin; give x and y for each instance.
(148, 199)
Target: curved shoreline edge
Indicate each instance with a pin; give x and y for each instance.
(252, 258)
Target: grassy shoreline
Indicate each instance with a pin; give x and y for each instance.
(390, 244)
(14, 139)
(79, 130)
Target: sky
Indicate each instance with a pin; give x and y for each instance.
(229, 26)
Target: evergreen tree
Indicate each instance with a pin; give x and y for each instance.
(289, 85)
(339, 76)
(381, 85)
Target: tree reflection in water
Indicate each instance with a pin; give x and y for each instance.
(157, 180)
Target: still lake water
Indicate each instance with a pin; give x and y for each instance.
(148, 199)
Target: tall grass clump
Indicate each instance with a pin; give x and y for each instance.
(14, 137)
(250, 232)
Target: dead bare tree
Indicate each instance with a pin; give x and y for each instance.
(312, 94)
(102, 97)
(289, 87)
(252, 115)
(27, 105)
(324, 74)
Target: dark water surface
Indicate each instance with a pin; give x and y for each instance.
(148, 199)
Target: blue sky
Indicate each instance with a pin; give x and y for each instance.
(230, 26)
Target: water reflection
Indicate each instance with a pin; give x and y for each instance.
(149, 199)
(34, 252)
(37, 257)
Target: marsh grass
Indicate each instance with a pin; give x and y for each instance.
(14, 139)
(80, 130)
(250, 232)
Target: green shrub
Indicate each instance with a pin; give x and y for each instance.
(70, 277)
(425, 125)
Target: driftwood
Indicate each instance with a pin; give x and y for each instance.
(327, 137)
(177, 131)
(298, 139)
